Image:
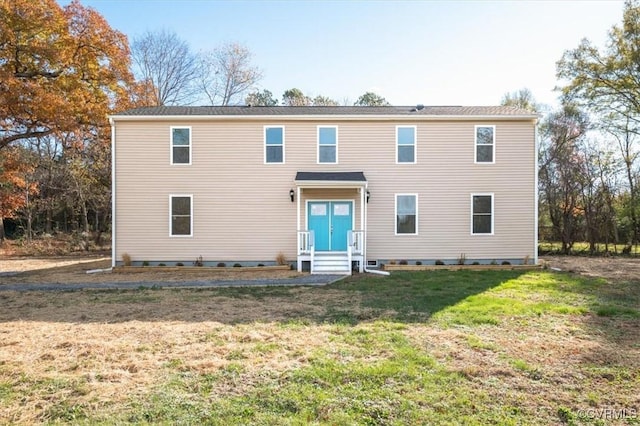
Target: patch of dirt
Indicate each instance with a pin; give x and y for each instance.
(73, 270)
(613, 268)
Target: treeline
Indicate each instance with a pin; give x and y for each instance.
(63, 70)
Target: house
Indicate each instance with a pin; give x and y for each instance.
(327, 187)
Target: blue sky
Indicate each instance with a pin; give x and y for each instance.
(430, 52)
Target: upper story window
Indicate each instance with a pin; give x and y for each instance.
(181, 145)
(406, 214)
(181, 215)
(274, 144)
(482, 214)
(405, 144)
(327, 144)
(485, 144)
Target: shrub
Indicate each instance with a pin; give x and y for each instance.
(392, 262)
(126, 259)
(161, 264)
(281, 259)
(403, 262)
(260, 264)
(418, 263)
(476, 263)
(198, 261)
(506, 262)
(145, 263)
(179, 264)
(237, 265)
(439, 262)
(526, 260)
(221, 265)
(494, 262)
(462, 259)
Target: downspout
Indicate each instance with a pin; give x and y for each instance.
(113, 192)
(365, 206)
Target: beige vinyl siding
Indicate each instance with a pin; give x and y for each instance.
(242, 209)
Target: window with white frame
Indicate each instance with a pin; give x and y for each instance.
(181, 215)
(482, 214)
(406, 214)
(405, 144)
(274, 144)
(327, 144)
(181, 145)
(485, 144)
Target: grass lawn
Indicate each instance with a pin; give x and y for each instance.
(437, 347)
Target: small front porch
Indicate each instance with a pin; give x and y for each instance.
(331, 262)
(331, 221)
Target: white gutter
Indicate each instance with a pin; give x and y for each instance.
(325, 117)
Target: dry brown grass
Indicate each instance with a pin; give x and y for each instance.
(103, 349)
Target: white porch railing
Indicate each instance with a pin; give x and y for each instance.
(355, 243)
(306, 246)
(306, 249)
(305, 242)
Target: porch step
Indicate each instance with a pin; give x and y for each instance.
(331, 263)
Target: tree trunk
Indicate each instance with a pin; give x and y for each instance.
(1, 231)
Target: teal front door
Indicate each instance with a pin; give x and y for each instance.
(330, 222)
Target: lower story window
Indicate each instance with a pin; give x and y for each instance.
(482, 214)
(406, 214)
(181, 215)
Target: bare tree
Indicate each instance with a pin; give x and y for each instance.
(226, 74)
(164, 60)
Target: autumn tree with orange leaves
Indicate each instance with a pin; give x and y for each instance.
(62, 71)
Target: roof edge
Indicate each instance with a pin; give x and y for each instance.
(317, 117)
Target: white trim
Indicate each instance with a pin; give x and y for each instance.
(325, 117)
(264, 143)
(113, 193)
(395, 216)
(475, 144)
(493, 212)
(190, 196)
(415, 145)
(318, 144)
(171, 146)
(536, 196)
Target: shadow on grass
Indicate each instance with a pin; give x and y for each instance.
(404, 297)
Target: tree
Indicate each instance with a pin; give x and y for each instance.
(15, 187)
(562, 171)
(371, 99)
(523, 99)
(324, 101)
(607, 84)
(264, 98)
(295, 97)
(226, 74)
(164, 62)
(59, 67)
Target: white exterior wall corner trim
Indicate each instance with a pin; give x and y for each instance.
(536, 230)
(113, 192)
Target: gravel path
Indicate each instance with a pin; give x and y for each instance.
(312, 280)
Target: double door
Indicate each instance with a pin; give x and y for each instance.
(330, 222)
